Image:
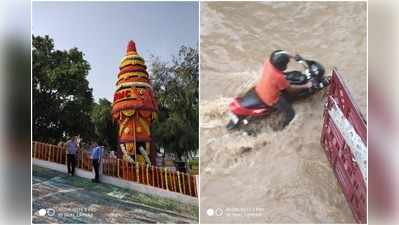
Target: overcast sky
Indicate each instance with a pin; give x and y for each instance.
(102, 30)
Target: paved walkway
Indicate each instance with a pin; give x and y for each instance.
(78, 200)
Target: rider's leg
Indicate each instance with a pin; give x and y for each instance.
(284, 106)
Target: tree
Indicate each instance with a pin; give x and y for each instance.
(176, 89)
(62, 99)
(105, 129)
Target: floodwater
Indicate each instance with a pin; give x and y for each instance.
(276, 176)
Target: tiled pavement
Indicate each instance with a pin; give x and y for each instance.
(78, 200)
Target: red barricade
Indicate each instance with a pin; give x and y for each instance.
(344, 139)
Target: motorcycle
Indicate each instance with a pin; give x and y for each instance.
(243, 108)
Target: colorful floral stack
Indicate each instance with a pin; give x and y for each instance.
(134, 107)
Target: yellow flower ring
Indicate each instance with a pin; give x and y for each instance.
(131, 62)
(132, 79)
(133, 74)
(132, 57)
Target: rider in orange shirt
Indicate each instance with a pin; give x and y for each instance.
(273, 87)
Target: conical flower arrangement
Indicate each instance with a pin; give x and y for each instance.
(134, 107)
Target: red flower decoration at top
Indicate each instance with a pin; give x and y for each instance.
(131, 47)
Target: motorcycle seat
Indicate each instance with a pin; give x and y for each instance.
(251, 101)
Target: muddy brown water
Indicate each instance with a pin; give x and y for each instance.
(275, 176)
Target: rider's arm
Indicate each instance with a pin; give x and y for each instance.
(301, 60)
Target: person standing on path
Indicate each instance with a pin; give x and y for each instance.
(96, 154)
(72, 148)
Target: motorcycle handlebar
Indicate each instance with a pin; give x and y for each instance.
(300, 60)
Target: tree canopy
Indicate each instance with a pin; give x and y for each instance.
(62, 99)
(105, 128)
(176, 89)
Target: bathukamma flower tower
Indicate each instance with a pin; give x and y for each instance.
(134, 107)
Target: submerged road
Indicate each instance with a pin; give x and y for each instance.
(77, 200)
